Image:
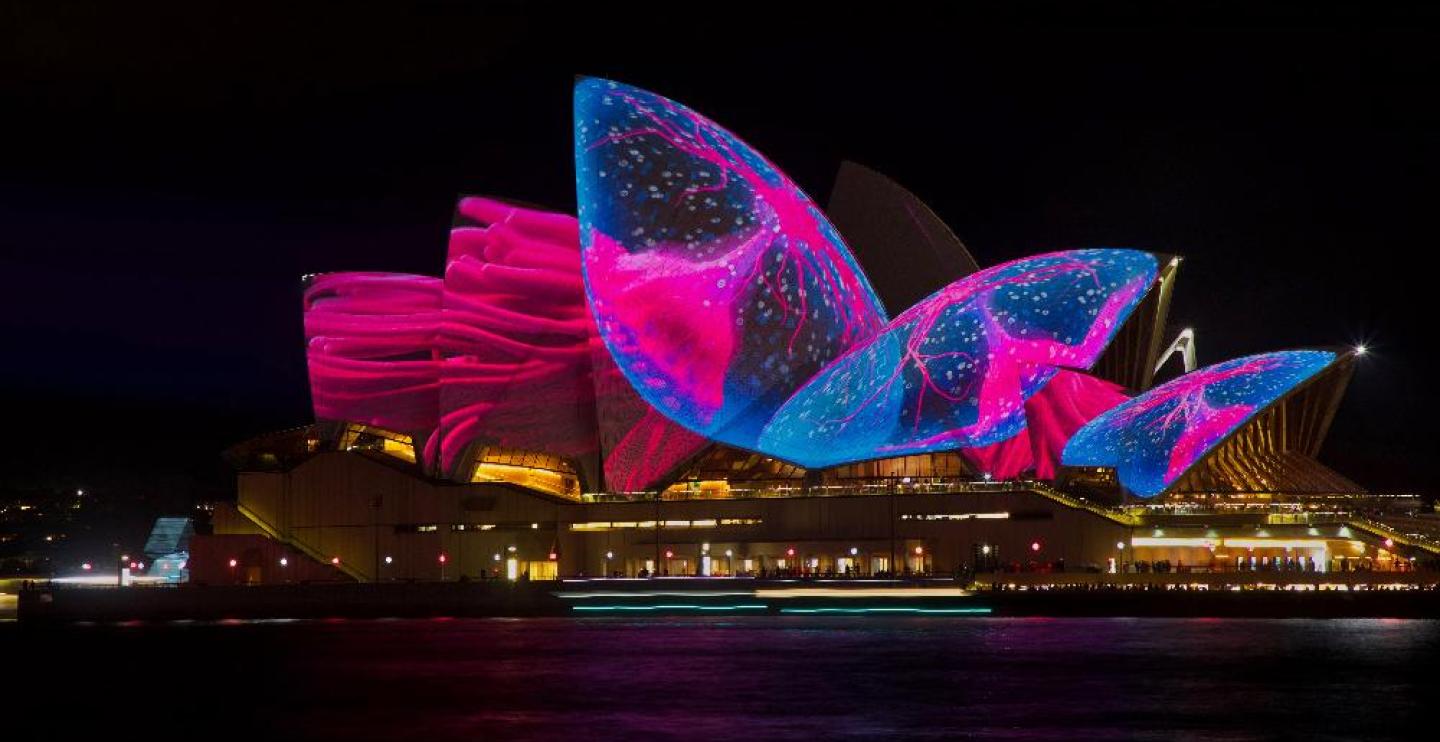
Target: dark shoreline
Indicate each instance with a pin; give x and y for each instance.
(692, 597)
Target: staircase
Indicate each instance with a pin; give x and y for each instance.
(270, 530)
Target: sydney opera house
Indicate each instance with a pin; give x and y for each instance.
(704, 373)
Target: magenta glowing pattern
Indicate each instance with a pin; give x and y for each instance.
(515, 335)
(1153, 439)
(717, 285)
(523, 367)
(369, 340)
(955, 370)
(1064, 405)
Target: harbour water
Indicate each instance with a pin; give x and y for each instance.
(796, 677)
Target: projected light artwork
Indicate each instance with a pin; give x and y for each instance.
(523, 368)
(956, 369)
(1052, 415)
(515, 334)
(369, 340)
(1153, 439)
(717, 285)
(701, 298)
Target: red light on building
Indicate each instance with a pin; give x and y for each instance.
(669, 554)
(1035, 546)
(233, 563)
(442, 558)
(790, 551)
(554, 556)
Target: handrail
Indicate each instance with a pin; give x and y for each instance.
(304, 548)
(1128, 520)
(1125, 519)
(1380, 529)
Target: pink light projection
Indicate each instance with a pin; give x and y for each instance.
(717, 284)
(369, 341)
(514, 335)
(1052, 415)
(1152, 440)
(520, 353)
(955, 370)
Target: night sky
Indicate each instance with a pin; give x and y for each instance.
(167, 179)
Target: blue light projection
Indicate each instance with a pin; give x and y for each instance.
(1153, 439)
(717, 285)
(955, 370)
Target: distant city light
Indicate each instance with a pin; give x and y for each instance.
(1361, 350)
(389, 559)
(729, 553)
(1120, 545)
(985, 549)
(497, 557)
(284, 562)
(790, 551)
(854, 551)
(442, 558)
(1035, 546)
(608, 555)
(335, 561)
(919, 550)
(233, 563)
(669, 554)
(554, 556)
(86, 566)
(1389, 543)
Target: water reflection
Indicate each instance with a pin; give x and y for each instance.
(760, 677)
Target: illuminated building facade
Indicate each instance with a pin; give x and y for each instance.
(697, 376)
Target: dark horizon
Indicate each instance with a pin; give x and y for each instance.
(173, 178)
